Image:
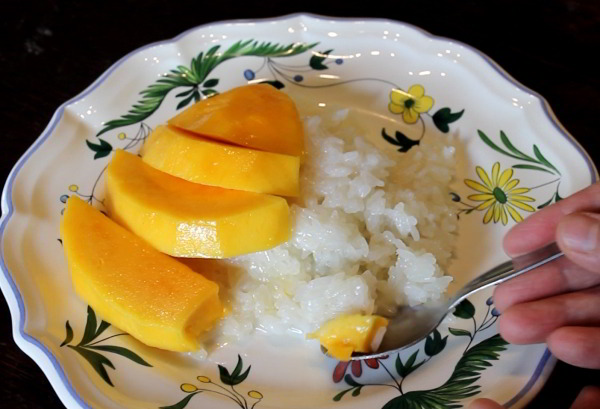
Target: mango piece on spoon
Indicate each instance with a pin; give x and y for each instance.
(200, 160)
(350, 333)
(185, 219)
(153, 297)
(255, 116)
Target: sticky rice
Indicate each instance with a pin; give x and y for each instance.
(373, 229)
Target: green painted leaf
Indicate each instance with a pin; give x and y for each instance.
(102, 149)
(491, 144)
(400, 366)
(101, 328)
(210, 83)
(542, 159)
(532, 167)
(185, 101)
(339, 396)
(459, 332)
(411, 359)
(209, 92)
(464, 310)
(511, 147)
(557, 197)
(89, 332)
(460, 385)
(400, 140)
(356, 391)
(546, 203)
(434, 343)
(97, 361)
(495, 147)
(224, 375)
(69, 336)
(238, 367)
(241, 378)
(350, 381)
(445, 116)
(194, 75)
(182, 403)
(388, 138)
(316, 61)
(184, 93)
(405, 369)
(400, 402)
(234, 378)
(120, 351)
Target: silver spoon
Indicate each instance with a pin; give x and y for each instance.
(411, 325)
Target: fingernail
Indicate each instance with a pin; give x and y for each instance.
(579, 232)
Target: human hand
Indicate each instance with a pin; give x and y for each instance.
(589, 398)
(558, 303)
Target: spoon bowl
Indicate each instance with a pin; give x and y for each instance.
(412, 324)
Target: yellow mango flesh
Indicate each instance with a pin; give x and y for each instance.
(255, 116)
(186, 219)
(349, 333)
(212, 163)
(153, 297)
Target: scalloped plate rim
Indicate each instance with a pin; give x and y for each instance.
(48, 362)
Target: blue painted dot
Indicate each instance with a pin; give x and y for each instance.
(64, 198)
(339, 61)
(249, 75)
(489, 301)
(298, 78)
(495, 312)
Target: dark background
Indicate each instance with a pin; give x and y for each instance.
(51, 50)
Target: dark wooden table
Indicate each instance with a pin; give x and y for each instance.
(51, 50)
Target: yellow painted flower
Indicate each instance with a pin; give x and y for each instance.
(499, 195)
(204, 379)
(410, 103)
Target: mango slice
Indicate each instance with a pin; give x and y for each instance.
(186, 219)
(255, 116)
(155, 298)
(350, 333)
(212, 163)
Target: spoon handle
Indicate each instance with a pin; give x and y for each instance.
(510, 269)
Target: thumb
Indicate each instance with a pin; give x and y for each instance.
(578, 236)
(484, 404)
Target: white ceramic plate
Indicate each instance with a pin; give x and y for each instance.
(501, 125)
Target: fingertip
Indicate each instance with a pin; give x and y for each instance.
(540, 227)
(502, 297)
(531, 234)
(509, 328)
(579, 346)
(588, 398)
(512, 241)
(526, 323)
(578, 236)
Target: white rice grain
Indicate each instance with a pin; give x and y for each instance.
(372, 232)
